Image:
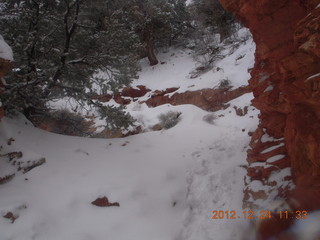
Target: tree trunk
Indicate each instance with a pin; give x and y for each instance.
(150, 49)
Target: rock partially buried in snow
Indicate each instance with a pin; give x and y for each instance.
(32, 164)
(11, 216)
(14, 214)
(104, 202)
(6, 178)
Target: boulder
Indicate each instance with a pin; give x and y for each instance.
(104, 202)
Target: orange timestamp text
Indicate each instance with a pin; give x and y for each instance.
(262, 214)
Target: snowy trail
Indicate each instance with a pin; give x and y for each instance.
(167, 183)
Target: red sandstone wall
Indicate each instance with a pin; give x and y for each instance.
(287, 37)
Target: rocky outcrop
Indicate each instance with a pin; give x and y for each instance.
(125, 96)
(286, 86)
(209, 99)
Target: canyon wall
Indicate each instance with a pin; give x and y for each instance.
(286, 86)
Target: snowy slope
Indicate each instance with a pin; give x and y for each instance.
(177, 65)
(167, 182)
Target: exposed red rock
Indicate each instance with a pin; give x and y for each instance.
(164, 92)
(104, 202)
(10, 216)
(240, 111)
(121, 100)
(102, 98)
(125, 96)
(139, 91)
(208, 99)
(286, 87)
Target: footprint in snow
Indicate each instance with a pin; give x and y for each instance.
(79, 150)
(125, 143)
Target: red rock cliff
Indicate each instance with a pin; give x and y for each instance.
(286, 87)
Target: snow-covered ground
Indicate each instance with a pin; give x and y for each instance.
(177, 65)
(167, 182)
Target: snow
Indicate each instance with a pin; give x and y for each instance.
(177, 65)
(268, 89)
(272, 202)
(280, 175)
(314, 76)
(272, 148)
(275, 158)
(266, 138)
(5, 50)
(167, 182)
(263, 77)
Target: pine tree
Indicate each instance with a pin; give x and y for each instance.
(59, 47)
(157, 22)
(210, 13)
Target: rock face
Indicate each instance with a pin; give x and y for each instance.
(286, 85)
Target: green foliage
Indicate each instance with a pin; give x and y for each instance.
(169, 119)
(115, 117)
(213, 27)
(166, 21)
(67, 123)
(59, 47)
(210, 13)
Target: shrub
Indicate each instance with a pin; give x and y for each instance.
(224, 83)
(169, 119)
(209, 118)
(64, 122)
